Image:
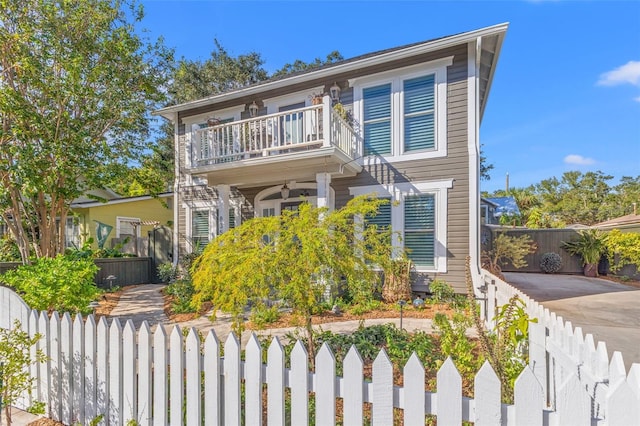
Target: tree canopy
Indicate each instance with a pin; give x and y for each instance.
(294, 257)
(76, 85)
(575, 197)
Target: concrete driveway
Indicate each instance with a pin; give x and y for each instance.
(606, 309)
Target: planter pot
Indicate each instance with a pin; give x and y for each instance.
(590, 270)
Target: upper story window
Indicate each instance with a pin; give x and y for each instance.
(419, 113)
(404, 112)
(377, 120)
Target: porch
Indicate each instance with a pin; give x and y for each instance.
(292, 145)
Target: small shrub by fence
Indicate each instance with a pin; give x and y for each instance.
(124, 373)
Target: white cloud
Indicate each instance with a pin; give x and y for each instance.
(627, 73)
(637, 99)
(578, 160)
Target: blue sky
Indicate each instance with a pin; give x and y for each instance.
(565, 96)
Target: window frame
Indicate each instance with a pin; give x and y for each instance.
(438, 68)
(398, 192)
(136, 229)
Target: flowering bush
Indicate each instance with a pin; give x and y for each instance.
(550, 263)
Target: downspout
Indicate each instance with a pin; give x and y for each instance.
(176, 188)
(473, 146)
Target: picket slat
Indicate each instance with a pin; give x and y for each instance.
(573, 404)
(44, 368)
(382, 410)
(487, 397)
(633, 378)
(145, 361)
(324, 386)
(622, 405)
(66, 368)
(160, 377)
(232, 377)
(90, 368)
(193, 379)
(253, 382)
(102, 371)
(129, 373)
(617, 370)
(55, 391)
(449, 402)
(212, 383)
(528, 399)
(33, 368)
(414, 405)
(176, 375)
(275, 383)
(78, 377)
(115, 411)
(299, 382)
(352, 384)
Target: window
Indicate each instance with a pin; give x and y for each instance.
(377, 120)
(419, 112)
(419, 228)
(72, 233)
(403, 112)
(126, 227)
(199, 227)
(383, 219)
(417, 214)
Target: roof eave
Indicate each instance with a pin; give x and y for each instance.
(499, 29)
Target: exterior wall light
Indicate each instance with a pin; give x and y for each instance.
(284, 191)
(334, 92)
(253, 109)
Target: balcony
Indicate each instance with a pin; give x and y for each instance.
(291, 145)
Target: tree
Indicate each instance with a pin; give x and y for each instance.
(507, 248)
(485, 168)
(299, 65)
(76, 84)
(293, 257)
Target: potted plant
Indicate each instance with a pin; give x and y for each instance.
(590, 246)
(317, 98)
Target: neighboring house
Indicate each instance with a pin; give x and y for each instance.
(627, 223)
(488, 212)
(117, 218)
(500, 206)
(410, 134)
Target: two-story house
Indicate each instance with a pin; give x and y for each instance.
(406, 129)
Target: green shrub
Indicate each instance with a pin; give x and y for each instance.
(262, 315)
(623, 249)
(57, 284)
(183, 291)
(9, 251)
(167, 272)
(441, 291)
(455, 343)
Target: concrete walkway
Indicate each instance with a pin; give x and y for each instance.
(606, 309)
(145, 303)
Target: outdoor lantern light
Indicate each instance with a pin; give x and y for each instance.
(253, 109)
(284, 191)
(335, 92)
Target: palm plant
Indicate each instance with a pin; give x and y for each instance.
(590, 246)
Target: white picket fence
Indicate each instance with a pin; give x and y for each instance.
(162, 378)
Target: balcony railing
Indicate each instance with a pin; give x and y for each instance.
(282, 133)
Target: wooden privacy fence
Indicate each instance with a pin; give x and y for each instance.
(162, 377)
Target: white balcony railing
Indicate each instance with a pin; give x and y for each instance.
(282, 133)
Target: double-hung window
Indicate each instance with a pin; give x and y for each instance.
(382, 220)
(403, 112)
(419, 228)
(419, 113)
(377, 120)
(200, 227)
